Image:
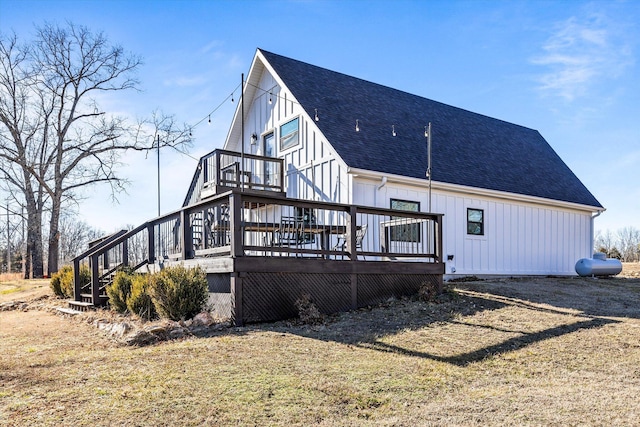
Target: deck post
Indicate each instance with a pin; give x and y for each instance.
(187, 235)
(217, 168)
(438, 236)
(235, 218)
(76, 280)
(151, 243)
(95, 281)
(236, 298)
(352, 227)
(125, 252)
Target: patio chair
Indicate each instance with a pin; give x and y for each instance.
(341, 245)
(289, 232)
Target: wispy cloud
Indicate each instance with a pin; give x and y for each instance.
(183, 81)
(580, 52)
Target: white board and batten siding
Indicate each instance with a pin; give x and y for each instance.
(312, 171)
(520, 238)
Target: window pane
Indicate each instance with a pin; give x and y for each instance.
(474, 228)
(405, 232)
(474, 215)
(403, 205)
(289, 134)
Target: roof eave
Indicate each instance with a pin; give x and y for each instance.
(463, 189)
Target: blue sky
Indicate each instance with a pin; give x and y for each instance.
(566, 68)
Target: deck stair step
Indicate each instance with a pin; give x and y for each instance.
(102, 298)
(81, 305)
(69, 311)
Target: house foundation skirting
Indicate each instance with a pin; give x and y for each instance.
(262, 290)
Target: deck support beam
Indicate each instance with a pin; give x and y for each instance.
(236, 298)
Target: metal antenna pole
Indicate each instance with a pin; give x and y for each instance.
(8, 242)
(24, 240)
(241, 177)
(158, 174)
(429, 161)
(429, 178)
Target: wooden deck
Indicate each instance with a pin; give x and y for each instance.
(262, 252)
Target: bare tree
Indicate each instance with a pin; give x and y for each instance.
(19, 126)
(605, 242)
(75, 236)
(70, 143)
(629, 241)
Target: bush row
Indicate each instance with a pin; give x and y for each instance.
(62, 281)
(175, 293)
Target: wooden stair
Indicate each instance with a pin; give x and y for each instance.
(86, 302)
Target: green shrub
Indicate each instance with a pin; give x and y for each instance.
(119, 291)
(62, 281)
(178, 292)
(139, 301)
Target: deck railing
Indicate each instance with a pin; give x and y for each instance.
(221, 170)
(239, 224)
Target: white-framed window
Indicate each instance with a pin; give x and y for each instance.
(289, 134)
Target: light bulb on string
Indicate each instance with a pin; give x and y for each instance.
(209, 118)
(393, 130)
(426, 132)
(232, 100)
(270, 100)
(357, 126)
(317, 119)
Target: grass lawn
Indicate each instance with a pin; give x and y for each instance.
(548, 351)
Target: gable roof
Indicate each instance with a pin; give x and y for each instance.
(468, 149)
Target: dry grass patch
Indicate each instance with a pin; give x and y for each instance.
(13, 287)
(502, 352)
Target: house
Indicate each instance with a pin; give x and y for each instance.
(511, 205)
(322, 188)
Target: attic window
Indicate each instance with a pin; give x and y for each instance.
(289, 134)
(475, 222)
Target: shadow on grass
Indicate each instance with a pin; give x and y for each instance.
(506, 346)
(366, 328)
(599, 297)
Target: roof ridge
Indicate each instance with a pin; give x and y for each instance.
(400, 91)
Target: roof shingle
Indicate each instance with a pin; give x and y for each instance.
(468, 149)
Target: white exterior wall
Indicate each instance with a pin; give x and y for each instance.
(312, 169)
(520, 238)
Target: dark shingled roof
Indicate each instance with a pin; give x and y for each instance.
(467, 148)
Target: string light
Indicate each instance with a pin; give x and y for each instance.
(393, 130)
(317, 118)
(232, 97)
(209, 118)
(357, 125)
(426, 132)
(270, 100)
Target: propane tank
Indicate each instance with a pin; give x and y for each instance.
(599, 265)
